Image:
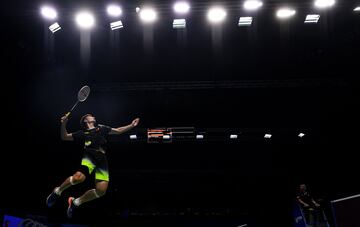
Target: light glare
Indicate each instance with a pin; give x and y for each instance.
(182, 7)
(216, 14)
(252, 5)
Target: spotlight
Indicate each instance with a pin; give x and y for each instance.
(148, 15)
(54, 27)
(133, 137)
(48, 12)
(85, 20)
(252, 5)
(114, 10)
(357, 8)
(216, 14)
(233, 136)
(284, 13)
(181, 7)
(324, 3)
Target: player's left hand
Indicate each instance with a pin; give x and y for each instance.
(135, 122)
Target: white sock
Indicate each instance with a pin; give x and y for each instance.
(57, 191)
(77, 202)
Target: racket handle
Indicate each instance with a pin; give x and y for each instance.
(68, 114)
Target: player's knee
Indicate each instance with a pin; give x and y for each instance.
(78, 177)
(101, 189)
(100, 192)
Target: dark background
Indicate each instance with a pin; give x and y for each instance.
(279, 77)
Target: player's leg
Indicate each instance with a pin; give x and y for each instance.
(101, 185)
(77, 178)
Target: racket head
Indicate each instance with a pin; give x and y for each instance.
(83, 93)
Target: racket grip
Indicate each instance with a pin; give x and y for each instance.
(67, 114)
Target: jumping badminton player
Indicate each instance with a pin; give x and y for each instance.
(93, 137)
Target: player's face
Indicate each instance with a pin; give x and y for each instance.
(90, 119)
(302, 187)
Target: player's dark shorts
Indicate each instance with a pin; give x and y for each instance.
(95, 160)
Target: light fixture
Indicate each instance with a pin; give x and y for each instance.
(181, 7)
(245, 21)
(148, 15)
(114, 10)
(252, 4)
(199, 137)
(301, 135)
(54, 27)
(285, 13)
(267, 136)
(312, 18)
(116, 25)
(324, 3)
(48, 12)
(85, 19)
(179, 23)
(216, 14)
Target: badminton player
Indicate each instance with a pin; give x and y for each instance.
(93, 136)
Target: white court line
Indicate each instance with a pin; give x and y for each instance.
(350, 197)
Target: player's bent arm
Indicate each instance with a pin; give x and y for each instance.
(121, 130)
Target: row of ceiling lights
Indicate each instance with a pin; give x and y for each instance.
(215, 14)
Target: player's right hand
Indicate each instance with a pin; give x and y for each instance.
(64, 119)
